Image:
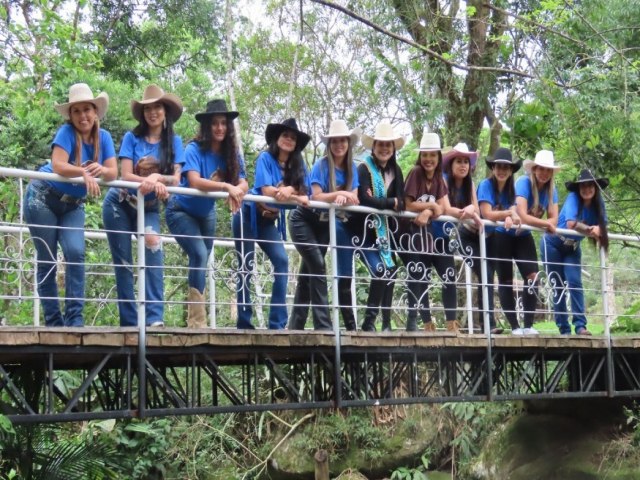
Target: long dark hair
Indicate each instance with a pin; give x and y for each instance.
(228, 146)
(437, 175)
(166, 164)
(466, 188)
(508, 187)
(293, 174)
(599, 209)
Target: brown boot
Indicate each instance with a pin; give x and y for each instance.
(196, 311)
(453, 326)
(430, 327)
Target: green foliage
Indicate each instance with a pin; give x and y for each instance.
(629, 321)
(418, 473)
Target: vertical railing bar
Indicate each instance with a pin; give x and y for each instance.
(142, 324)
(607, 321)
(485, 310)
(335, 311)
(469, 293)
(212, 288)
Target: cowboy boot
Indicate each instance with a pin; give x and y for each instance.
(196, 311)
(453, 326)
(429, 327)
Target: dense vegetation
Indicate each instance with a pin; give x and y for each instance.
(558, 74)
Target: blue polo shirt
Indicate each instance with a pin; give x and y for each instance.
(571, 212)
(207, 164)
(269, 174)
(136, 148)
(524, 190)
(66, 139)
(320, 176)
(497, 200)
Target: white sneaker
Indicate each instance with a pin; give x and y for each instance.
(531, 331)
(517, 331)
(157, 323)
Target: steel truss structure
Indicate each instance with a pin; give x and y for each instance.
(53, 383)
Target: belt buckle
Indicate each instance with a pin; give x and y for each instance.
(323, 216)
(66, 198)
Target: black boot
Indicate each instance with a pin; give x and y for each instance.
(376, 293)
(412, 324)
(346, 307)
(387, 300)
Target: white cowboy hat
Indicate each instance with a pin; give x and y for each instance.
(429, 142)
(384, 133)
(337, 129)
(155, 94)
(460, 150)
(81, 93)
(544, 158)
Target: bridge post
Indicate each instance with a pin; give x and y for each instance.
(335, 310)
(485, 311)
(142, 322)
(607, 324)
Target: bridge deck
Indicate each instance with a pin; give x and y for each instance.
(208, 371)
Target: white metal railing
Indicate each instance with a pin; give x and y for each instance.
(18, 261)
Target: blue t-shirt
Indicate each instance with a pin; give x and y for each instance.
(269, 174)
(523, 189)
(207, 164)
(66, 139)
(571, 212)
(498, 201)
(136, 148)
(320, 176)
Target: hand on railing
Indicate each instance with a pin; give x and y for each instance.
(347, 198)
(236, 195)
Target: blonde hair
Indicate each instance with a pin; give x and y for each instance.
(95, 137)
(348, 167)
(550, 186)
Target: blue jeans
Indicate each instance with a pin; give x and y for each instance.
(270, 241)
(51, 221)
(563, 264)
(345, 250)
(195, 236)
(120, 221)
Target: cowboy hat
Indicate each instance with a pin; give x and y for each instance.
(430, 142)
(585, 177)
(544, 158)
(273, 131)
(383, 133)
(460, 150)
(155, 94)
(337, 129)
(81, 93)
(503, 156)
(216, 107)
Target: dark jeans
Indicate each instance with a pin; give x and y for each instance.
(310, 237)
(563, 265)
(52, 220)
(120, 220)
(522, 249)
(270, 241)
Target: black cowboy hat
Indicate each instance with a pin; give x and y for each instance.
(216, 107)
(584, 177)
(275, 129)
(503, 155)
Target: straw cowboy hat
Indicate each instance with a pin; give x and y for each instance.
(460, 150)
(430, 142)
(155, 94)
(585, 177)
(81, 93)
(544, 158)
(503, 156)
(274, 130)
(216, 107)
(383, 133)
(338, 129)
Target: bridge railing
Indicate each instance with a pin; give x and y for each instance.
(19, 293)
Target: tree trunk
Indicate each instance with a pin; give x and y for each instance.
(322, 465)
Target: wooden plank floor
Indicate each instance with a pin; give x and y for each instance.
(182, 337)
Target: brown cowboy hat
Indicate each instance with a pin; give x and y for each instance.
(155, 94)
